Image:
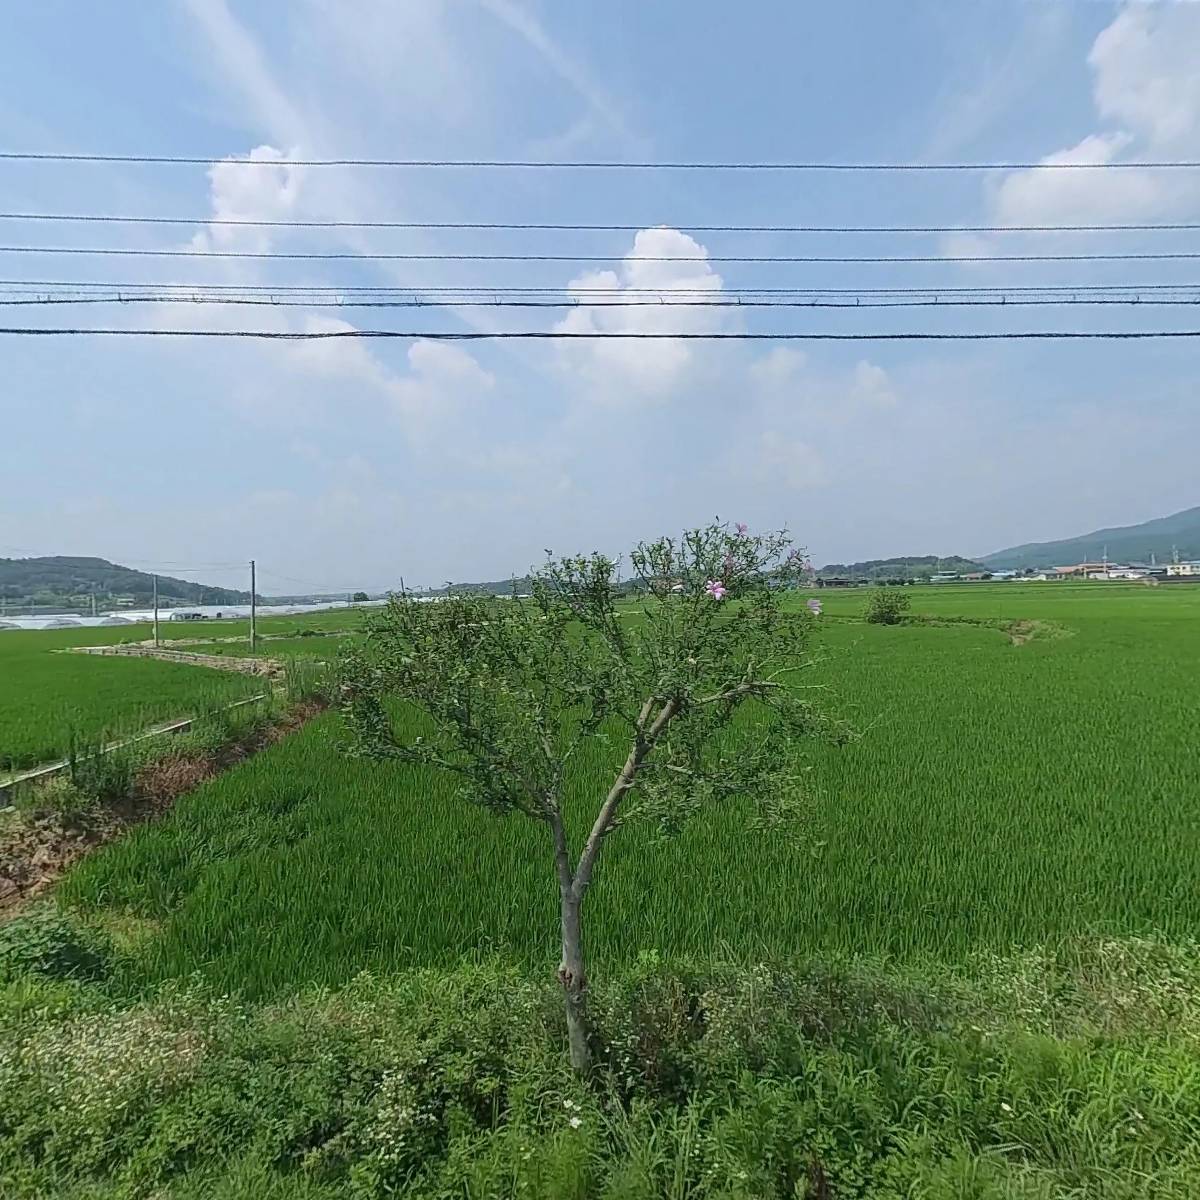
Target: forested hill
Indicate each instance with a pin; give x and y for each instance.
(913, 567)
(1160, 538)
(65, 580)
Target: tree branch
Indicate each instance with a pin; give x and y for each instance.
(742, 689)
(642, 745)
(562, 853)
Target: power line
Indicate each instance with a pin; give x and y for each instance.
(557, 335)
(540, 226)
(594, 164)
(699, 260)
(263, 302)
(556, 289)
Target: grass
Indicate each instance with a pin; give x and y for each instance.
(1002, 796)
(46, 696)
(973, 977)
(1039, 1076)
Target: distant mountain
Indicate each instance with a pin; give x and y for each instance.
(494, 587)
(1124, 543)
(71, 582)
(912, 567)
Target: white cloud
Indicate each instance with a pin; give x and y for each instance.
(1058, 197)
(778, 366)
(1147, 86)
(443, 382)
(630, 369)
(1146, 76)
(871, 385)
(239, 192)
(790, 461)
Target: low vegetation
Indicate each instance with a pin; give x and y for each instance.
(1039, 1076)
(54, 821)
(49, 696)
(969, 973)
(886, 606)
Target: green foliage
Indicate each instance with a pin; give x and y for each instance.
(79, 579)
(46, 942)
(102, 777)
(46, 697)
(56, 797)
(514, 689)
(305, 679)
(911, 567)
(885, 606)
(988, 804)
(1016, 1078)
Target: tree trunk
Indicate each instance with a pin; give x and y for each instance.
(574, 982)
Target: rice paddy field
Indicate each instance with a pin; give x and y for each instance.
(45, 694)
(1001, 796)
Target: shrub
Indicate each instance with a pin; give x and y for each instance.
(768, 1082)
(885, 606)
(52, 944)
(102, 777)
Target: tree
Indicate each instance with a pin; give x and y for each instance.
(507, 694)
(886, 606)
(359, 598)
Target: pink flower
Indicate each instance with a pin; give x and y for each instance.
(741, 528)
(814, 607)
(716, 589)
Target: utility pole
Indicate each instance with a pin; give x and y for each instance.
(93, 599)
(253, 610)
(156, 612)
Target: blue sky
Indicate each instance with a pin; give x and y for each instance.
(351, 464)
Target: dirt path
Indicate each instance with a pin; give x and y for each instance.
(268, 668)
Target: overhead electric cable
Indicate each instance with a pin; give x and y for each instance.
(545, 226)
(559, 335)
(698, 260)
(588, 164)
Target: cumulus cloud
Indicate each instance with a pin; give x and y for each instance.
(239, 192)
(441, 382)
(1147, 89)
(617, 370)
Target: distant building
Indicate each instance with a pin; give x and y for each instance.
(1081, 570)
(1117, 572)
(1190, 567)
(943, 577)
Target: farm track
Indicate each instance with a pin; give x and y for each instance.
(269, 668)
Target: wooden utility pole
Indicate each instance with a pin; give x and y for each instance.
(156, 612)
(253, 609)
